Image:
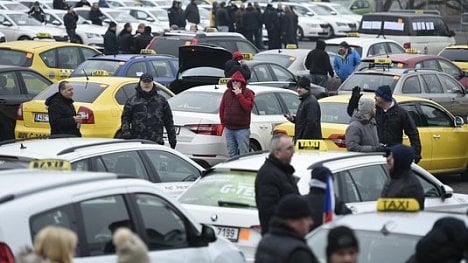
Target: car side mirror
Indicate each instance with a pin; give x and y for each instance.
(7, 23)
(208, 234)
(310, 14)
(87, 22)
(106, 20)
(451, 33)
(333, 13)
(458, 121)
(149, 19)
(447, 191)
(56, 23)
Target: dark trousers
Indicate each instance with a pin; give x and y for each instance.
(72, 36)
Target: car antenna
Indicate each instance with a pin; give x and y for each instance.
(86, 75)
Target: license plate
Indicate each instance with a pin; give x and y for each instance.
(41, 117)
(230, 233)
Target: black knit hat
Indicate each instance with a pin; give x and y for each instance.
(146, 77)
(292, 206)
(304, 82)
(320, 173)
(341, 237)
(344, 44)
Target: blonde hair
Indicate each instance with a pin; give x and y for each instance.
(56, 243)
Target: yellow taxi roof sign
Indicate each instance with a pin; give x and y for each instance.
(291, 46)
(65, 73)
(43, 35)
(397, 204)
(353, 34)
(100, 73)
(223, 81)
(311, 145)
(382, 61)
(50, 164)
(411, 51)
(247, 56)
(148, 51)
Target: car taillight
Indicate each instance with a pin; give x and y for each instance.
(19, 113)
(407, 45)
(195, 41)
(279, 131)
(5, 254)
(338, 139)
(86, 114)
(206, 129)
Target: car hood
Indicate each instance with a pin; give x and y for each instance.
(91, 29)
(202, 56)
(44, 29)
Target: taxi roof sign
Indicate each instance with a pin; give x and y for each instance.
(43, 35)
(148, 51)
(100, 73)
(382, 61)
(397, 204)
(291, 46)
(223, 81)
(247, 56)
(50, 164)
(310, 145)
(411, 51)
(353, 34)
(65, 73)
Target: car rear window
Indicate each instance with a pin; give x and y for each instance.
(86, 92)
(283, 60)
(88, 66)
(369, 82)
(15, 57)
(169, 45)
(223, 189)
(457, 55)
(333, 112)
(202, 102)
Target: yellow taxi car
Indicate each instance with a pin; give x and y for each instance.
(100, 100)
(458, 54)
(54, 60)
(443, 136)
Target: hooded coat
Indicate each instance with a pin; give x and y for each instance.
(403, 183)
(307, 119)
(345, 65)
(145, 115)
(191, 13)
(318, 61)
(61, 113)
(235, 110)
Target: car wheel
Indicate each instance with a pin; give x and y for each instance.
(300, 33)
(24, 38)
(254, 146)
(331, 32)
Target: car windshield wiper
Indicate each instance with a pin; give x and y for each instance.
(234, 204)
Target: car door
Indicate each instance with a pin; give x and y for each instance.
(449, 149)
(266, 115)
(127, 163)
(433, 90)
(457, 94)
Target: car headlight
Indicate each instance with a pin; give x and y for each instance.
(92, 35)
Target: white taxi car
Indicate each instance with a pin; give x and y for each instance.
(366, 47)
(384, 236)
(32, 199)
(171, 171)
(225, 196)
(199, 130)
(340, 10)
(18, 25)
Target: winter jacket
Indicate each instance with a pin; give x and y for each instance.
(361, 135)
(222, 17)
(233, 65)
(145, 115)
(111, 44)
(176, 17)
(37, 14)
(59, 4)
(316, 200)
(95, 16)
(191, 13)
(318, 61)
(82, 3)
(126, 43)
(274, 180)
(391, 124)
(142, 41)
(103, 4)
(61, 113)
(307, 119)
(252, 19)
(403, 183)
(70, 20)
(235, 110)
(282, 244)
(344, 66)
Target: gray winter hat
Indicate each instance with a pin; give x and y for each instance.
(365, 105)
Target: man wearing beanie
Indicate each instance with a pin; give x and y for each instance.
(346, 61)
(361, 133)
(111, 43)
(146, 114)
(318, 64)
(316, 196)
(402, 183)
(307, 119)
(343, 246)
(236, 64)
(285, 242)
(129, 247)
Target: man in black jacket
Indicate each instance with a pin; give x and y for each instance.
(176, 15)
(70, 19)
(236, 64)
(402, 183)
(318, 64)
(285, 241)
(274, 179)
(191, 13)
(62, 114)
(111, 44)
(307, 119)
(316, 196)
(142, 40)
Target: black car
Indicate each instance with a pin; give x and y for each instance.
(17, 85)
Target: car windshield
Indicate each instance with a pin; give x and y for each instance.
(333, 112)
(160, 14)
(82, 91)
(88, 66)
(320, 10)
(283, 60)
(15, 6)
(334, 48)
(369, 82)
(14, 57)
(122, 17)
(343, 10)
(373, 246)
(225, 189)
(24, 20)
(202, 102)
(457, 55)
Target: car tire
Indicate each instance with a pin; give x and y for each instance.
(300, 33)
(254, 146)
(24, 38)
